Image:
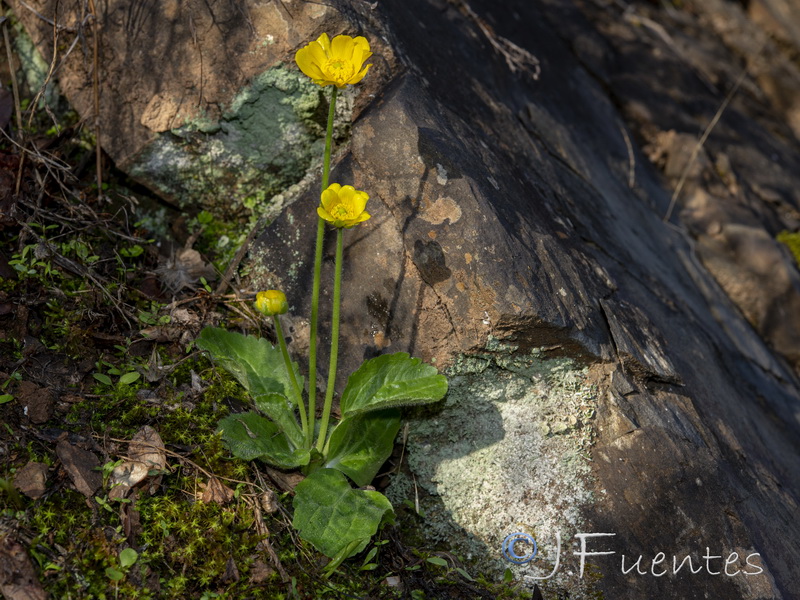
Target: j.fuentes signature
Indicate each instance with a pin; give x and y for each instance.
(657, 566)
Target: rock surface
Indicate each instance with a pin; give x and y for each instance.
(194, 98)
(520, 164)
(523, 209)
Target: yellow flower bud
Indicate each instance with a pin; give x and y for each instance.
(271, 302)
(343, 206)
(334, 62)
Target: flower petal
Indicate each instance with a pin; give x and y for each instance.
(330, 196)
(359, 219)
(329, 199)
(318, 54)
(342, 47)
(325, 42)
(361, 51)
(325, 215)
(359, 76)
(308, 65)
(360, 202)
(346, 194)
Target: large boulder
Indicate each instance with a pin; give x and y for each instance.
(518, 239)
(196, 100)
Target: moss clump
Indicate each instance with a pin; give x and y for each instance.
(195, 542)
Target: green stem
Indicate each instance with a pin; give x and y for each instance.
(337, 295)
(326, 160)
(298, 393)
(312, 351)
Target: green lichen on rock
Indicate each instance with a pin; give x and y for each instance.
(264, 142)
(507, 453)
(34, 68)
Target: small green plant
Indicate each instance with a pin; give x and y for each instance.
(151, 317)
(127, 558)
(335, 518)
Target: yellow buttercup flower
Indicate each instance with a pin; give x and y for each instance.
(271, 303)
(343, 206)
(334, 62)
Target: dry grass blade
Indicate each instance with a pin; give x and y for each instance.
(701, 142)
(517, 59)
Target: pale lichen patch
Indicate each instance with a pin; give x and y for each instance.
(508, 452)
(443, 209)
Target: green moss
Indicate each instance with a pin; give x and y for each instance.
(792, 241)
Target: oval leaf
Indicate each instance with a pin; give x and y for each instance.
(102, 378)
(250, 436)
(336, 519)
(129, 378)
(392, 380)
(359, 445)
(127, 557)
(260, 368)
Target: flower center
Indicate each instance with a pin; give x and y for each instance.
(339, 69)
(341, 212)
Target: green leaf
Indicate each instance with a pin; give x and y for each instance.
(250, 436)
(336, 519)
(259, 367)
(102, 378)
(370, 555)
(6, 398)
(128, 378)
(278, 408)
(392, 380)
(464, 574)
(127, 557)
(435, 560)
(359, 445)
(114, 574)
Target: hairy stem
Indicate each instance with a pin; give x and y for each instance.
(298, 393)
(312, 351)
(337, 295)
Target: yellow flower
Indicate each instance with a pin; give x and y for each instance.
(343, 206)
(271, 303)
(334, 62)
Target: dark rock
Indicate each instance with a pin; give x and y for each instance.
(81, 467)
(31, 479)
(37, 402)
(18, 579)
